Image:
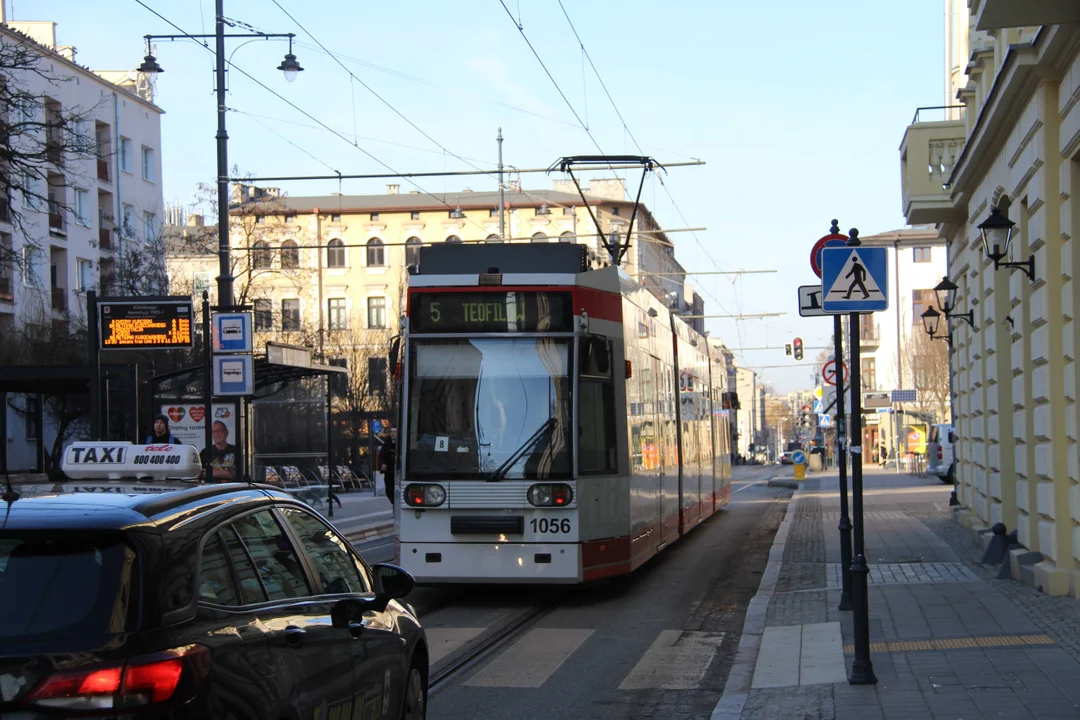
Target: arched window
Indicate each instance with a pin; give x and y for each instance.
(290, 254)
(335, 253)
(539, 237)
(567, 237)
(261, 255)
(412, 251)
(453, 239)
(493, 238)
(376, 255)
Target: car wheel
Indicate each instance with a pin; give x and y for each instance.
(415, 697)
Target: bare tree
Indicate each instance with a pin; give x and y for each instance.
(36, 133)
(925, 367)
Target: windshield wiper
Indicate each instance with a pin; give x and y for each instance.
(503, 469)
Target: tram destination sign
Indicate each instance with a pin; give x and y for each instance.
(493, 311)
(145, 323)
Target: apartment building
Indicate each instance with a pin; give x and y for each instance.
(331, 271)
(1010, 157)
(84, 207)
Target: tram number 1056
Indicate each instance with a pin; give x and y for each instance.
(551, 526)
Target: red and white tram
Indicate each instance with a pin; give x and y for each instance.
(560, 424)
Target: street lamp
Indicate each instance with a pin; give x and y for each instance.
(997, 232)
(289, 66)
(946, 298)
(930, 320)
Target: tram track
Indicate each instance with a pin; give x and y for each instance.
(483, 648)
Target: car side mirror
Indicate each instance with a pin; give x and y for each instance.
(392, 582)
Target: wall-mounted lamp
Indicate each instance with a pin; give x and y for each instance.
(946, 298)
(997, 232)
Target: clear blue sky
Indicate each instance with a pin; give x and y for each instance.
(797, 107)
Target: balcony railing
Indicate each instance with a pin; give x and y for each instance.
(928, 154)
(59, 299)
(56, 224)
(5, 289)
(103, 169)
(869, 334)
(105, 238)
(5, 210)
(54, 151)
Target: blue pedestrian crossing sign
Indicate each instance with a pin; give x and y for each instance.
(824, 420)
(855, 279)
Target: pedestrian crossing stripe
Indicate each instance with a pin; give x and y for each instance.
(855, 279)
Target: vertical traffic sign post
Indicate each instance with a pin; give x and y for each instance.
(833, 239)
(845, 272)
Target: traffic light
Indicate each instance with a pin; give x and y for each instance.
(787, 349)
(796, 346)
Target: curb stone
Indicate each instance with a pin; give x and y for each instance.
(371, 532)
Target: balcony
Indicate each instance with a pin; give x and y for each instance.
(1000, 14)
(105, 238)
(928, 154)
(103, 169)
(5, 290)
(59, 299)
(54, 151)
(869, 335)
(5, 210)
(56, 224)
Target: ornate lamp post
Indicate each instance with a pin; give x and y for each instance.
(997, 232)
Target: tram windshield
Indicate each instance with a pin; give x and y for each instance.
(489, 409)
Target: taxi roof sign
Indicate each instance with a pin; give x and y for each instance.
(124, 460)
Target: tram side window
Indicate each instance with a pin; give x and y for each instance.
(596, 410)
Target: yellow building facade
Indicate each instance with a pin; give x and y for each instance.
(1011, 143)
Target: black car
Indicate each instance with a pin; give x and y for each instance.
(212, 601)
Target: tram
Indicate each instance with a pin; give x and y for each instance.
(559, 423)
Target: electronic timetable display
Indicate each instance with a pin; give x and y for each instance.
(145, 324)
(501, 311)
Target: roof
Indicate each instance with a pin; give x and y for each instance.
(914, 235)
(467, 200)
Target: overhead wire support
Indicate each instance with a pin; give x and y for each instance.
(647, 164)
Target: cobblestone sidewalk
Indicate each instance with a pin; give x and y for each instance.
(947, 639)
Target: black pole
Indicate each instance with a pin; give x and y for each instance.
(329, 447)
(208, 389)
(225, 279)
(841, 462)
(3, 431)
(862, 669)
(93, 370)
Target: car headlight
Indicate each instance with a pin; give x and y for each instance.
(423, 495)
(550, 495)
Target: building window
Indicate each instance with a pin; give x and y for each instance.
(567, 236)
(920, 301)
(262, 256)
(84, 275)
(32, 403)
(31, 257)
(149, 172)
(82, 207)
(376, 312)
(869, 374)
(493, 212)
(335, 254)
(128, 221)
(290, 314)
(922, 254)
(338, 317)
(539, 237)
(290, 254)
(335, 218)
(376, 254)
(615, 211)
(453, 239)
(125, 154)
(29, 191)
(412, 251)
(149, 226)
(264, 315)
(376, 375)
(290, 219)
(260, 219)
(374, 216)
(414, 215)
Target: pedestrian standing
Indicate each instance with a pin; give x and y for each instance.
(161, 434)
(387, 461)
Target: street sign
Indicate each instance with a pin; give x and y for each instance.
(824, 421)
(233, 375)
(828, 372)
(904, 396)
(798, 457)
(376, 427)
(855, 279)
(231, 332)
(810, 301)
(145, 324)
(818, 407)
(292, 355)
(873, 401)
(818, 392)
(829, 401)
(831, 240)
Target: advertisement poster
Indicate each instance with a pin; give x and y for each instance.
(187, 421)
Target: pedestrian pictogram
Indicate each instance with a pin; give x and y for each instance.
(855, 279)
(828, 372)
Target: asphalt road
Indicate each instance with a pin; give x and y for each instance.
(658, 644)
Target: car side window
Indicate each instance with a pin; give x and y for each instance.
(215, 579)
(339, 570)
(273, 569)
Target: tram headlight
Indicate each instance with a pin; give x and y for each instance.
(419, 495)
(551, 495)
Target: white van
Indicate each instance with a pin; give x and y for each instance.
(941, 451)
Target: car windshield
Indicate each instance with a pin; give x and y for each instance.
(54, 587)
(489, 408)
